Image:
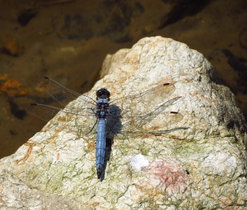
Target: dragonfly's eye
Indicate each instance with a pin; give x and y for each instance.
(103, 93)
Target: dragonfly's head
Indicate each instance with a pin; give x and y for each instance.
(103, 93)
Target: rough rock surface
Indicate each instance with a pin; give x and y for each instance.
(184, 148)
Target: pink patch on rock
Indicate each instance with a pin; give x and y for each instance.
(169, 174)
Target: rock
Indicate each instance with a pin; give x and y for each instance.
(17, 195)
(180, 143)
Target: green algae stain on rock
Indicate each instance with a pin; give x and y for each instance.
(51, 177)
(190, 149)
(47, 179)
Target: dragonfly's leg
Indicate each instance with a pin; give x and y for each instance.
(93, 110)
(93, 126)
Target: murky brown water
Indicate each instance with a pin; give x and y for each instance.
(68, 40)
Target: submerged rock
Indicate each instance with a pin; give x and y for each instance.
(179, 143)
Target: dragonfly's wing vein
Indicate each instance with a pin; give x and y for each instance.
(142, 119)
(65, 89)
(128, 113)
(166, 88)
(131, 113)
(54, 97)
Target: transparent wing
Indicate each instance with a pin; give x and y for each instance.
(68, 94)
(143, 112)
(129, 114)
(53, 97)
(143, 102)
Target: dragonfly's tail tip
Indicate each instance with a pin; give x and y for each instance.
(100, 174)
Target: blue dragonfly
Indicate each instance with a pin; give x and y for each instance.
(124, 116)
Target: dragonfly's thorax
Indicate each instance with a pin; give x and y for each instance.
(102, 108)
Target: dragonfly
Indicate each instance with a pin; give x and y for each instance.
(124, 115)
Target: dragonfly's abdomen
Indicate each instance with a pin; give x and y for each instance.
(100, 146)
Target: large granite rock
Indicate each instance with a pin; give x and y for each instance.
(180, 145)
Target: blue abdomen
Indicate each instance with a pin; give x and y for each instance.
(100, 146)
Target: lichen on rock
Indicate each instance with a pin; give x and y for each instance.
(185, 149)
